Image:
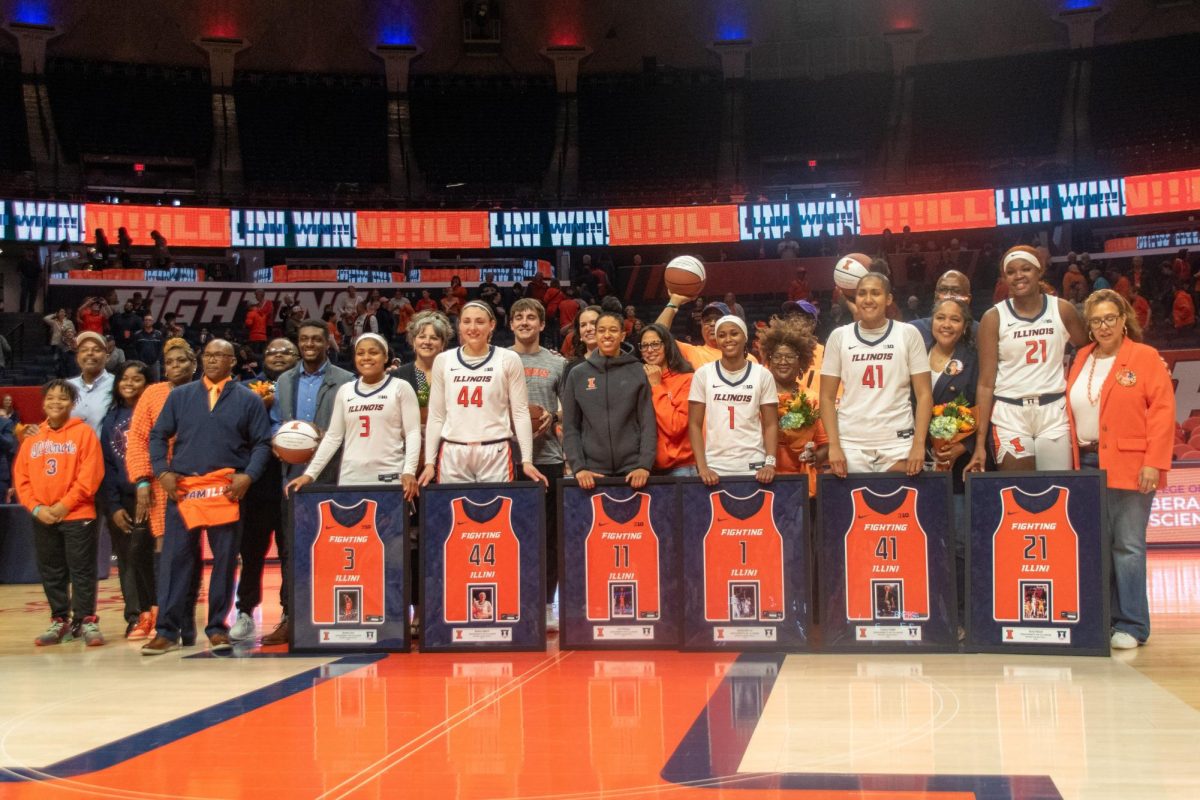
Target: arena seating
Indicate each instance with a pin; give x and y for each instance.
(494, 134)
(1140, 101)
(14, 143)
(130, 109)
(988, 110)
(312, 130)
(648, 133)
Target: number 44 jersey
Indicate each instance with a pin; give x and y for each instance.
(481, 555)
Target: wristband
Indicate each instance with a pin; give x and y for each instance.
(672, 305)
(769, 461)
(36, 509)
(143, 484)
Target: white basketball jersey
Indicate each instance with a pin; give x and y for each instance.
(477, 395)
(876, 372)
(1031, 351)
(373, 447)
(733, 436)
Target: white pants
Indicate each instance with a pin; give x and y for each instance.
(475, 463)
(1031, 430)
(876, 459)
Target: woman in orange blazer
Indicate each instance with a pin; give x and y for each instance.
(1122, 408)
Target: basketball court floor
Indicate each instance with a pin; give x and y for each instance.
(107, 722)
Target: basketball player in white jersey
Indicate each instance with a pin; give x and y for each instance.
(376, 422)
(1022, 377)
(879, 364)
(732, 420)
(477, 396)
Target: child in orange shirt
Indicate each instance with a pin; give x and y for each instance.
(1183, 311)
(57, 474)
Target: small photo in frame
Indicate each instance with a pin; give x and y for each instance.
(1035, 601)
(887, 603)
(348, 602)
(743, 601)
(622, 605)
(482, 598)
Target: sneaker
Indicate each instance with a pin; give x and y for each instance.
(54, 634)
(143, 628)
(92, 637)
(279, 635)
(74, 631)
(1123, 641)
(551, 617)
(243, 628)
(159, 645)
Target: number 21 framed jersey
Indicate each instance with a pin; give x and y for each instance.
(746, 576)
(617, 564)
(1037, 563)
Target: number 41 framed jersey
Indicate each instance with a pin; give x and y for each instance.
(483, 574)
(746, 575)
(884, 549)
(349, 551)
(1038, 563)
(618, 554)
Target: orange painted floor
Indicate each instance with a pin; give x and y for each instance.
(107, 722)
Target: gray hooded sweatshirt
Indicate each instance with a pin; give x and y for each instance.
(608, 415)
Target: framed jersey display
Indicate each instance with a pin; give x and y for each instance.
(618, 565)
(483, 572)
(746, 576)
(1038, 563)
(885, 556)
(349, 551)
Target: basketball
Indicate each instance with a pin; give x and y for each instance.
(849, 269)
(536, 413)
(296, 442)
(685, 276)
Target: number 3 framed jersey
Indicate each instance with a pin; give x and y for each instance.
(746, 575)
(483, 574)
(886, 560)
(618, 561)
(1038, 563)
(349, 550)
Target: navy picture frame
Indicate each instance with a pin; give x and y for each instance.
(1088, 634)
(792, 630)
(341, 636)
(528, 519)
(891, 629)
(578, 629)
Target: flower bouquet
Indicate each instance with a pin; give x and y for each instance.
(797, 420)
(265, 390)
(951, 423)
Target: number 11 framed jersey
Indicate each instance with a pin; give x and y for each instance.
(746, 573)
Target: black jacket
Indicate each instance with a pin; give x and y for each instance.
(608, 415)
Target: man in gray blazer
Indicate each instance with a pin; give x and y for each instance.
(304, 392)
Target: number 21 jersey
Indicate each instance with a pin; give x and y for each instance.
(1039, 547)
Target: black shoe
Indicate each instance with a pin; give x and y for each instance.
(129, 628)
(188, 639)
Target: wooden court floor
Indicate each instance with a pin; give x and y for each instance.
(107, 722)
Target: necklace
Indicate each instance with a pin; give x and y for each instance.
(1091, 373)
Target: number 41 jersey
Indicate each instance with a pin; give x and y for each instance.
(481, 553)
(886, 547)
(347, 556)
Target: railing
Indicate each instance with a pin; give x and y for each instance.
(16, 341)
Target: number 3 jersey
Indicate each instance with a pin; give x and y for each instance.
(886, 547)
(481, 555)
(1035, 547)
(622, 552)
(347, 555)
(743, 550)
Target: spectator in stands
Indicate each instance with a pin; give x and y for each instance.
(284, 312)
(148, 347)
(600, 279)
(161, 257)
(912, 308)
(8, 409)
(402, 313)
(799, 289)
(93, 315)
(291, 325)
(1097, 280)
(1183, 309)
(124, 325)
(788, 247)
(426, 303)
(5, 354)
(365, 321)
(348, 306)
(8, 448)
(537, 290)
(1077, 295)
(633, 325)
(93, 384)
(247, 366)
(257, 319)
(1180, 265)
(735, 307)
(102, 252)
(30, 270)
(62, 340)
(124, 248)
(116, 356)
(1073, 278)
(1141, 310)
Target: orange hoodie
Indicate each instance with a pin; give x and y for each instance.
(671, 413)
(60, 466)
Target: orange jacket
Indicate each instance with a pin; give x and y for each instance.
(1183, 312)
(671, 413)
(1137, 413)
(137, 450)
(1072, 279)
(256, 324)
(1141, 310)
(60, 466)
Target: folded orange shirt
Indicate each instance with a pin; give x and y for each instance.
(203, 502)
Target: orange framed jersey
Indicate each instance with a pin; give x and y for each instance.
(618, 569)
(745, 569)
(1037, 563)
(350, 566)
(886, 560)
(482, 553)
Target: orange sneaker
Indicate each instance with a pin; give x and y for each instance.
(144, 628)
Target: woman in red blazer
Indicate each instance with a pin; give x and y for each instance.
(1122, 408)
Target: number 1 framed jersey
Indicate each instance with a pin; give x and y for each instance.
(1038, 563)
(746, 574)
(483, 574)
(886, 563)
(618, 561)
(349, 551)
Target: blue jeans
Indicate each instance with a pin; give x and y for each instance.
(1128, 512)
(686, 471)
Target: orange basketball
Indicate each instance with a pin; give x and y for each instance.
(685, 275)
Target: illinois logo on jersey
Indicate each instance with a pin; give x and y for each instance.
(591, 384)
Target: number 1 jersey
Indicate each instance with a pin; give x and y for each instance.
(743, 550)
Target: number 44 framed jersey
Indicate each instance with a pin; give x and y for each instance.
(886, 562)
(618, 551)
(483, 550)
(746, 576)
(1038, 563)
(349, 551)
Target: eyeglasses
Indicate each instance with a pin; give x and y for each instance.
(787, 357)
(215, 356)
(279, 352)
(644, 346)
(1107, 321)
